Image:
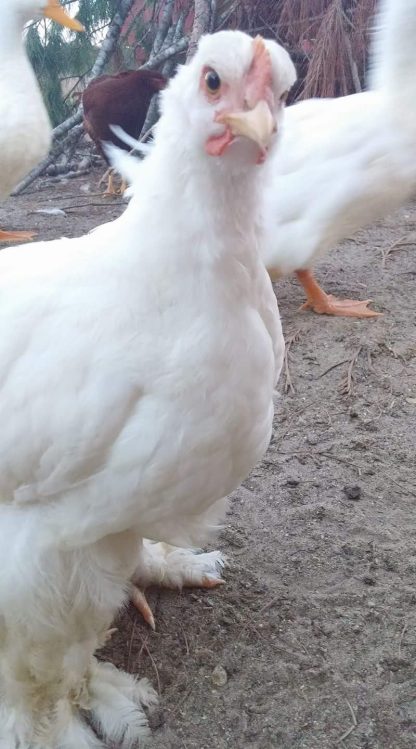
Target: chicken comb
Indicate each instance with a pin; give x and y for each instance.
(259, 77)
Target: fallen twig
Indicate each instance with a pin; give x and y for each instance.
(333, 366)
(408, 239)
(346, 384)
(402, 634)
(352, 728)
(288, 386)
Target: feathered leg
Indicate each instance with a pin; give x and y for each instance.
(170, 567)
(52, 620)
(326, 304)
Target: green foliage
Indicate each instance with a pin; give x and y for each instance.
(57, 54)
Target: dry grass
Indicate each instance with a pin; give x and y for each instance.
(328, 39)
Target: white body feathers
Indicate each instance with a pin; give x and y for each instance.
(137, 369)
(343, 163)
(25, 130)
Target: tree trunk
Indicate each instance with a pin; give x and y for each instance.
(201, 25)
(109, 44)
(173, 38)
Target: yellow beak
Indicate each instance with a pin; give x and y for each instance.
(55, 11)
(258, 124)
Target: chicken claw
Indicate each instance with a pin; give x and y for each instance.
(327, 304)
(173, 568)
(111, 190)
(16, 236)
(139, 600)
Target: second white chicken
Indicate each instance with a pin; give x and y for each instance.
(343, 163)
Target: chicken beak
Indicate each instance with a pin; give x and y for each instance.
(257, 124)
(55, 11)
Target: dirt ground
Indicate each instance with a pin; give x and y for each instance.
(315, 627)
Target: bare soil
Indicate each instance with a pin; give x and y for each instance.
(315, 627)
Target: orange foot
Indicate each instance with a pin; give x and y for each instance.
(326, 304)
(173, 568)
(139, 600)
(16, 236)
(113, 191)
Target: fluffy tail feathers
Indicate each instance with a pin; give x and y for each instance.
(394, 53)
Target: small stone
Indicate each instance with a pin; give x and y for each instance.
(352, 492)
(312, 439)
(292, 482)
(226, 621)
(219, 676)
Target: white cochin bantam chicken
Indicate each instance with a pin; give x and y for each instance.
(137, 367)
(343, 163)
(25, 130)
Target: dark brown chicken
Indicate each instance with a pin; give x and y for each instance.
(123, 100)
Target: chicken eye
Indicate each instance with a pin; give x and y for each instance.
(212, 81)
(284, 96)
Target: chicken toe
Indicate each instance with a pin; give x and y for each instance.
(16, 236)
(174, 568)
(327, 304)
(139, 600)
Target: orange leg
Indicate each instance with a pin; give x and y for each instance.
(123, 187)
(111, 190)
(170, 567)
(326, 304)
(139, 600)
(16, 236)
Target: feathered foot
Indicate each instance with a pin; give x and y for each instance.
(326, 304)
(170, 567)
(116, 702)
(112, 701)
(16, 236)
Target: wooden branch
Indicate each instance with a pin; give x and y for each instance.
(353, 65)
(166, 53)
(213, 16)
(170, 51)
(163, 28)
(167, 69)
(201, 25)
(224, 17)
(63, 128)
(109, 44)
(180, 24)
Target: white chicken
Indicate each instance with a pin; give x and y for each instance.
(25, 130)
(343, 163)
(137, 367)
